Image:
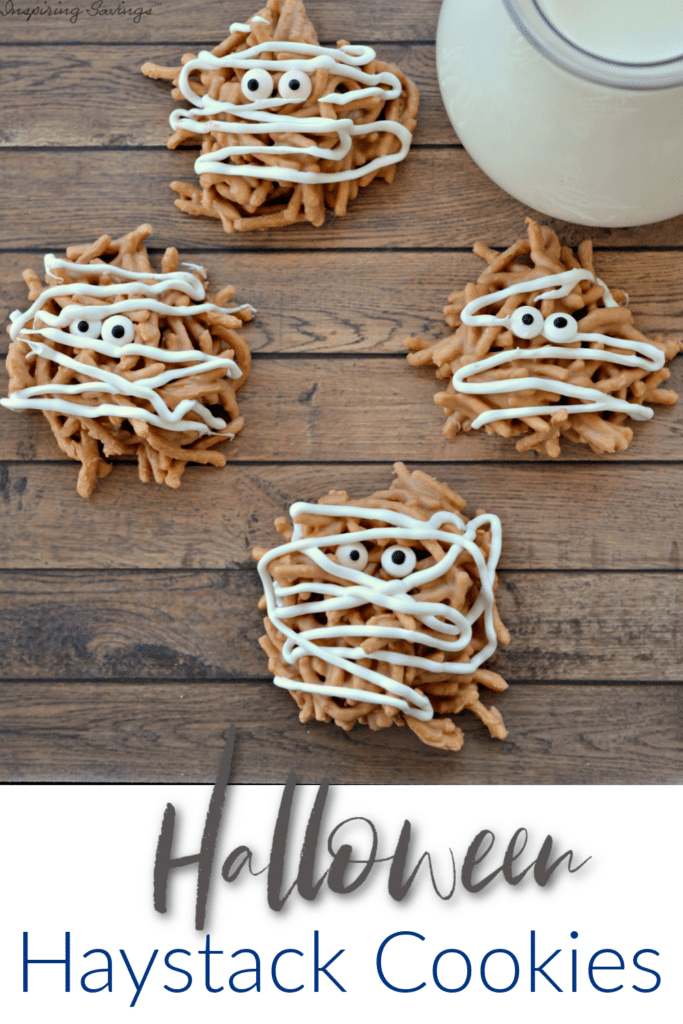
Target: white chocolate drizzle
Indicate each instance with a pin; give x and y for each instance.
(146, 290)
(454, 627)
(262, 117)
(590, 399)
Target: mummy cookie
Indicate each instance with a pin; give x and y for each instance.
(381, 611)
(288, 128)
(126, 362)
(543, 348)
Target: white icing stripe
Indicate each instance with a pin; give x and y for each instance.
(100, 312)
(196, 266)
(392, 594)
(212, 162)
(589, 399)
(137, 284)
(261, 117)
(562, 285)
(159, 355)
(344, 60)
(349, 693)
(117, 385)
(93, 412)
(180, 281)
(607, 298)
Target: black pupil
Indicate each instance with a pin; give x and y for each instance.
(398, 557)
(527, 319)
(294, 84)
(118, 331)
(83, 326)
(560, 321)
(252, 84)
(354, 555)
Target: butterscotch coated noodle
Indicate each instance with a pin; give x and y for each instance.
(288, 128)
(543, 350)
(125, 362)
(381, 610)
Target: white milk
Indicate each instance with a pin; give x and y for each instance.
(573, 148)
(635, 31)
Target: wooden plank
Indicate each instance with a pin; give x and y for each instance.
(45, 73)
(205, 625)
(157, 528)
(559, 735)
(365, 410)
(155, 595)
(417, 211)
(206, 22)
(378, 298)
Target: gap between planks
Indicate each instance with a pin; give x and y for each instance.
(175, 733)
(378, 298)
(205, 625)
(405, 213)
(378, 409)
(156, 526)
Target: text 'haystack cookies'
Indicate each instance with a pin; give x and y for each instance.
(287, 127)
(382, 610)
(543, 348)
(126, 362)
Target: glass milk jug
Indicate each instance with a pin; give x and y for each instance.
(574, 107)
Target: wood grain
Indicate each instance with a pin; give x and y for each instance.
(205, 625)
(114, 71)
(360, 410)
(407, 214)
(129, 622)
(206, 22)
(563, 735)
(156, 528)
(300, 311)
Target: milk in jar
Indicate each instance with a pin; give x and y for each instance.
(573, 107)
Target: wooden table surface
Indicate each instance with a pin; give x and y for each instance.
(129, 622)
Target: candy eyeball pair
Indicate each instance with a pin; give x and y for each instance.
(527, 322)
(118, 330)
(396, 560)
(257, 84)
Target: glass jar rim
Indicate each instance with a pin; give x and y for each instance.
(536, 27)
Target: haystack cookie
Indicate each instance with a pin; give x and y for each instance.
(126, 362)
(543, 348)
(288, 128)
(381, 611)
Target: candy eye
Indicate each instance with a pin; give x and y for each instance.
(119, 330)
(526, 322)
(85, 328)
(295, 85)
(399, 561)
(257, 84)
(560, 327)
(353, 556)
